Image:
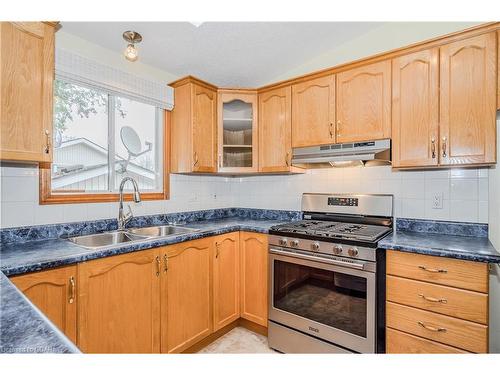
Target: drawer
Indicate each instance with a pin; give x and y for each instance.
(444, 271)
(404, 343)
(459, 303)
(463, 334)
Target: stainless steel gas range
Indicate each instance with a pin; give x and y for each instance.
(327, 276)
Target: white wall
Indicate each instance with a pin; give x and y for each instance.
(117, 60)
(19, 199)
(465, 191)
(388, 36)
(494, 235)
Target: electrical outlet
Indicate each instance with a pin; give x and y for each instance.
(437, 201)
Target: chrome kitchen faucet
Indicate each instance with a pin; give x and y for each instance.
(123, 218)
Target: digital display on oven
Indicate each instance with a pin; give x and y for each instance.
(336, 201)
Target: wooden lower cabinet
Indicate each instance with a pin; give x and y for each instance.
(435, 305)
(164, 300)
(186, 294)
(119, 306)
(402, 343)
(226, 279)
(54, 293)
(254, 270)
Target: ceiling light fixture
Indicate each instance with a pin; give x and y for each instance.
(132, 38)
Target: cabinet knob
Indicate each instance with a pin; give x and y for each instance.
(433, 147)
(444, 146)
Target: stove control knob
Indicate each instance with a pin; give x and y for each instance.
(283, 242)
(353, 251)
(337, 249)
(294, 243)
(315, 246)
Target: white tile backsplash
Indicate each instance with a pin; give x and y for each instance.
(464, 189)
(465, 194)
(413, 191)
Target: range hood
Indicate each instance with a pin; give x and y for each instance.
(343, 155)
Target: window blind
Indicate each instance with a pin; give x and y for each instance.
(77, 69)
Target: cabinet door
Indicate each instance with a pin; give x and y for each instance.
(313, 112)
(119, 307)
(186, 295)
(364, 103)
(26, 76)
(468, 101)
(204, 112)
(415, 109)
(498, 69)
(238, 131)
(275, 130)
(54, 293)
(254, 263)
(226, 287)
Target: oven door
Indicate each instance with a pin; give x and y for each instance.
(324, 298)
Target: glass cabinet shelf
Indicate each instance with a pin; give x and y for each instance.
(237, 129)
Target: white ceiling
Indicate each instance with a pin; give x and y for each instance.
(235, 54)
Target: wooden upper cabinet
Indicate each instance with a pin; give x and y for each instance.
(468, 101)
(119, 306)
(275, 130)
(313, 112)
(54, 293)
(254, 271)
(26, 90)
(238, 131)
(193, 127)
(186, 294)
(498, 69)
(204, 129)
(226, 285)
(364, 103)
(415, 109)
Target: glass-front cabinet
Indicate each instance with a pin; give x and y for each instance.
(237, 131)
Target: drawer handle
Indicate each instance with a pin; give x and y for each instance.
(431, 328)
(432, 299)
(433, 270)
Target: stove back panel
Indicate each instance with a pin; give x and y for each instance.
(380, 205)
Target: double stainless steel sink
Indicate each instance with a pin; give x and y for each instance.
(113, 238)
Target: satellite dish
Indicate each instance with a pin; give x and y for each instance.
(132, 144)
(131, 140)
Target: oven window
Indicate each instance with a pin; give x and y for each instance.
(331, 298)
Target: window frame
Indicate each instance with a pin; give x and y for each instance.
(46, 195)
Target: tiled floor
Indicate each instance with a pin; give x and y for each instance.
(239, 340)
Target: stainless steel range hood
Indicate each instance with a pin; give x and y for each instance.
(344, 155)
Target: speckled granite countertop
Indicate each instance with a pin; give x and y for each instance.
(22, 257)
(24, 329)
(444, 239)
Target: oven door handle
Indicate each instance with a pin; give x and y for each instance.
(354, 264)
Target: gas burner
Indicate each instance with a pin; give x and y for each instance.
(333, 229)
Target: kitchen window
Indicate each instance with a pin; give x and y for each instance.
(107, 124)
(98, 140)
